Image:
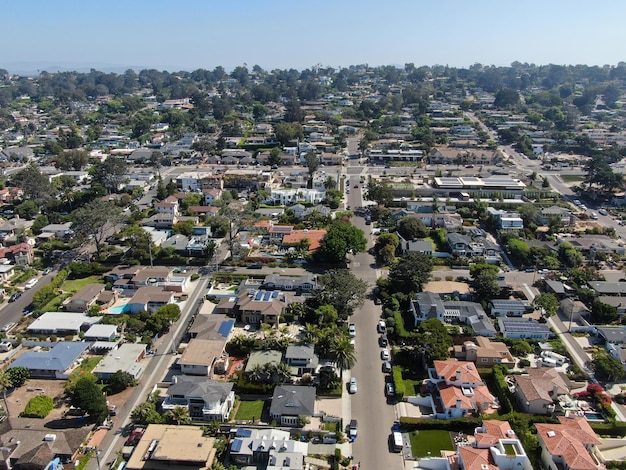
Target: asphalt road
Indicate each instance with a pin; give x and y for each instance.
(155, 371)
(369, 405)
(14, 311)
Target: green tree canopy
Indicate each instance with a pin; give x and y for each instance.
(434, 340)
(342, 237)
(89, 397)
(341, 289)
(410, 272)
(412, 227)
(548, 302)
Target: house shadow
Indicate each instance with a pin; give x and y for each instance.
(74, 423)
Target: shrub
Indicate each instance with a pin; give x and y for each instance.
(399, 382)
(38, 407)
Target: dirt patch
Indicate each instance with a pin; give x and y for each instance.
(234, 364)
(18, 399)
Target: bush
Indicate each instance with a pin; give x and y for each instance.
(38, 407)
(399, 382)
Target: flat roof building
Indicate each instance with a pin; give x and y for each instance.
(125, 358)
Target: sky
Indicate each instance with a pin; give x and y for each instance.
(189, 34)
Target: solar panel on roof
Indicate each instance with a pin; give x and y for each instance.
(274, 294)
(236, 445)
(267, 296)
(259, 296)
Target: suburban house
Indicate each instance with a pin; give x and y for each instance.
(290, 403)
(416, 246)
(126, 357)
(271, 448)
(523, 328)
(55, 363)
(495, 446)
(507, 308)
(286, 197)
(570, 444)
(260, 306)
(149, 299)
(457, 390)
(61, 323)
(101, 333)
(506, 220)
(211, 326)
(200, 356)
(617, 289)
(301, 358)
(206, 399)
(466, 246)
(427, 305)
(561, 214)
(6, 272)
(56, 230)
(20, 254)
(169, 206)
(537, 391)
(169, 446)
(484, 353)
(83, 300)
(289, 283)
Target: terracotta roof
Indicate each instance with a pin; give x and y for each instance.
(314, 236)
(568, 440)
(494, 430)
(450, 396)
(466, 371)
(476, 459)
(541, 384)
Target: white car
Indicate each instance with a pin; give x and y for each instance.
(352, 387)
(352, 329)
(384, 355)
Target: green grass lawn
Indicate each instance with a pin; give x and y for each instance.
(88, 364)
(572, 178)
(77, 284)
(249, 410)
(430, 441)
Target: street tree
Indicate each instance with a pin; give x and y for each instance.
(548, 302)
(312, 162)
(88, 397)
(146, 413)
(110, 173)
(410, 272)
(486, 285)
(412, 227)
(341, 238)
(34, 183)
(96, 219)
(120, 381)
(380, 191)
(344, 354)
(341, 289)
(606, 367)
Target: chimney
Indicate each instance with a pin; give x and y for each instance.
(458, 403)
(458, 374)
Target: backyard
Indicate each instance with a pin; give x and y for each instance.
(249, 410)
(430, 443)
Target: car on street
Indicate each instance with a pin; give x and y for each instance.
(47, 271)
(8, 327)
(352, 329)
(387, 367)
(390, 389)
(356, 186)
(353, 429)
(30, 284)
(384, 355)
(352, 386)
(602, 212)
(381, 327)
(135, 436)
(377, 301)
(15, 296)
(383, 341)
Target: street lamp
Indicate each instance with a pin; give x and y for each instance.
(98, 457)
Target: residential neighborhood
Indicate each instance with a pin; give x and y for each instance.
(369, 267)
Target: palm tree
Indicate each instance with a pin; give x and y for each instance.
(5, 384)
(257, 373)
(311, 334)
(344, 354)
(282, 372)
(179, 415)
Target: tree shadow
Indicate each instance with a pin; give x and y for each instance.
(73, 423)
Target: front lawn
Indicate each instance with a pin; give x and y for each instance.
(430, 443)
(249, 410)
(77, 284)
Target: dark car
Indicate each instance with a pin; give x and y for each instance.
(383, 341)
(390, 389)
(387, 367)
(255, 266)
(15, 296)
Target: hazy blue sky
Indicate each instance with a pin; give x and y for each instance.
(181, 34)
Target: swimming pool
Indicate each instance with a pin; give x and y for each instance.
(118, 309)
(594, 417)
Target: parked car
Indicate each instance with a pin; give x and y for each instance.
(387, 367)
(15, 296)
(390, 389)
(352, 329)
(353, 429)
(381, 327)
(384, 355)
(47, 271)
(383, 341)
(377, 301)
(8, 327)
(352, 386)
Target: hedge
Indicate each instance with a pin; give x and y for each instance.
(617, 429)
(38, 407)
(399, 382)
(467, 425)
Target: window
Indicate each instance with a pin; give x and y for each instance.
(484, 359)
